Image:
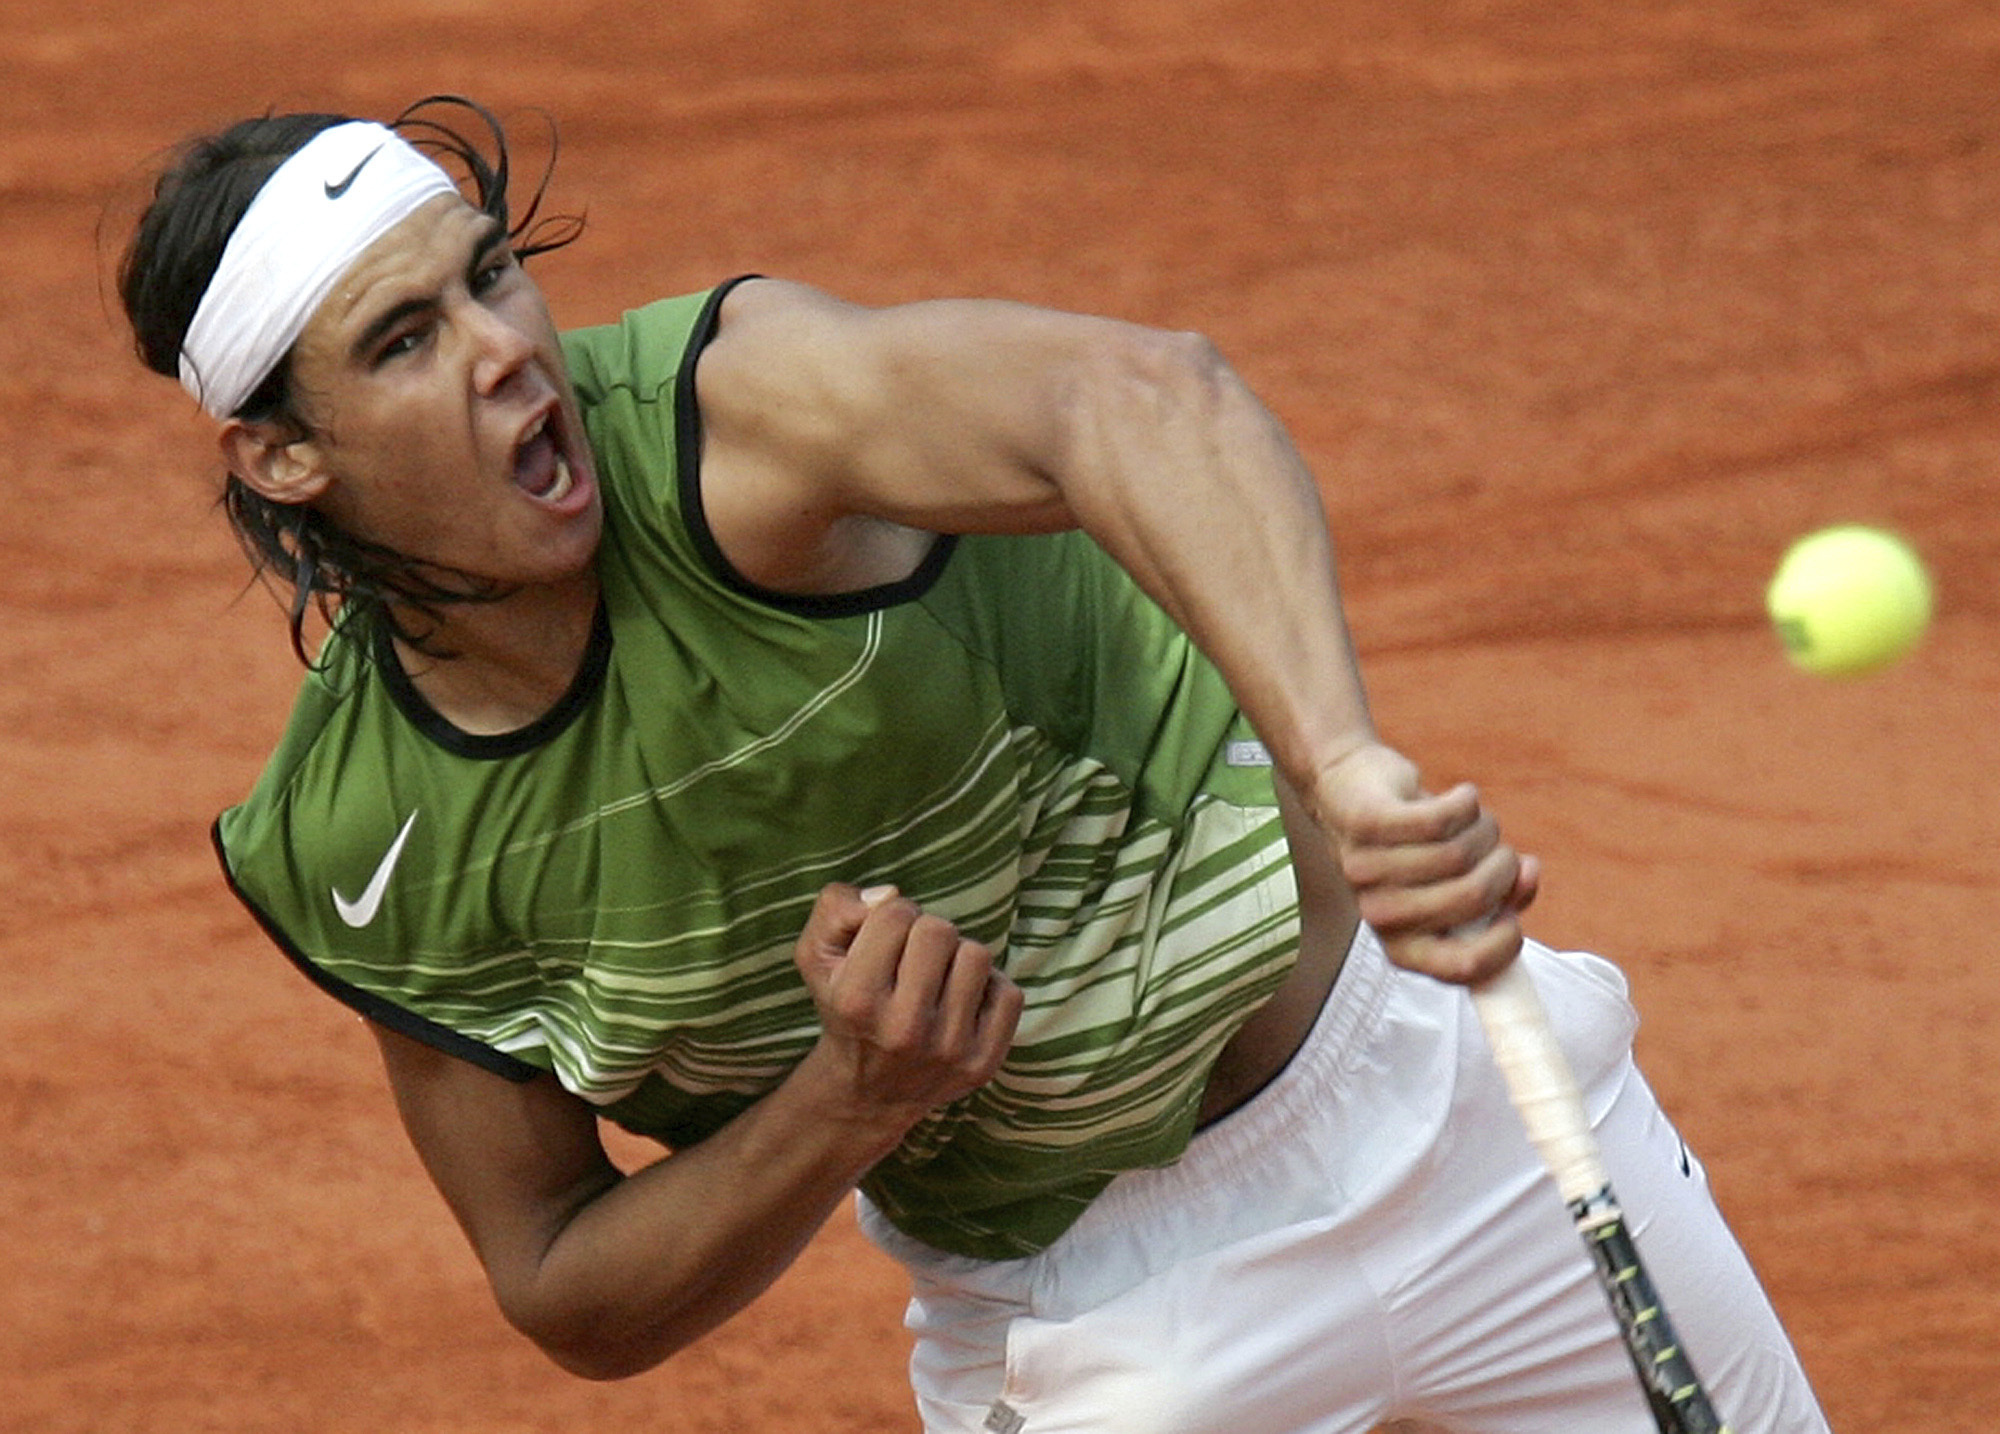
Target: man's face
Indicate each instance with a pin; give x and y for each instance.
(443, 421)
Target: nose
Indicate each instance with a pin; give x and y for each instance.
(501, 347)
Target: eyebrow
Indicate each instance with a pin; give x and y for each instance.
(491, 235)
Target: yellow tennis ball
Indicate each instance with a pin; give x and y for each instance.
(1849, 600)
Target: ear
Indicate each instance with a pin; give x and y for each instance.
(284, 470)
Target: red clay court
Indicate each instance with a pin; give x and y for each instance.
(1582, 311)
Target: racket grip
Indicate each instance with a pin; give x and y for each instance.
(1539, 1079)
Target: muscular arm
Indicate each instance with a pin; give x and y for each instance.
(828, 422)
(610, 1273)
(838, 436)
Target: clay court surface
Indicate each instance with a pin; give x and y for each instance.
(1582, 311)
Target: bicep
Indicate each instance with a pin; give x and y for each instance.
(941, 416)
(514, 1160)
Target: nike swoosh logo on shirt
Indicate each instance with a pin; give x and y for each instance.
(361, 910)
(334, 191)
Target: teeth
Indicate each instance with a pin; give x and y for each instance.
(565, 480)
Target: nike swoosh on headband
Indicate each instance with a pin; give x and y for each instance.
(362, 909)
(334, 191)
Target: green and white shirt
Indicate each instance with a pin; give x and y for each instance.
(1016, 737)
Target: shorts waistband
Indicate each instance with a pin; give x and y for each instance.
(1274, 1125)
(1301, 1093)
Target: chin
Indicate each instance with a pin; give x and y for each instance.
(580, 542)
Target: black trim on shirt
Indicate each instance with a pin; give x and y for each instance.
(487, 747)
(687, 449)
(378, 1009)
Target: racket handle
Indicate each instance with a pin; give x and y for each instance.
(1544, 1091)
(1539, 1080)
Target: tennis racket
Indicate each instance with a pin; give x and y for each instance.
(1544, 1092)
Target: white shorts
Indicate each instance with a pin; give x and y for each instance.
(1369, 1241)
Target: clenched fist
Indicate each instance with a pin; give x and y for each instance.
(913, 1014)
(1434, 877)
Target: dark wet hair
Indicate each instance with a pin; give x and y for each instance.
(196, 205)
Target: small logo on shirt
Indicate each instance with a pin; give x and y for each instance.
(334, 191)
(1246, 754)
(359, 911)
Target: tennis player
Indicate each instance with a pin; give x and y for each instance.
(916, 751)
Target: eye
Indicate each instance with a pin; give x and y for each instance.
(496, 267)
(404, 341)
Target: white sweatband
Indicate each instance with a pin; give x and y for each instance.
(340, 192)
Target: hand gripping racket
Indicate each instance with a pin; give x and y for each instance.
(1544, 1092)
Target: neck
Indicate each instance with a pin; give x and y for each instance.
(514, 658)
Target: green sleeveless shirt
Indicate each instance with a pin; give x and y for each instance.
(1016, 737)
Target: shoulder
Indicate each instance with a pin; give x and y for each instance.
(839, 437)
(788, 393)
(779, 359)
(332, 742)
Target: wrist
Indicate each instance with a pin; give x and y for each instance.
(1354, 763)
(837, 1101)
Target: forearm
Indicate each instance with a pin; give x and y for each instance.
(611, 1273)
(657, 1259)
(1185, 477)
(1192, 484)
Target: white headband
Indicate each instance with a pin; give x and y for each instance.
(340, 192)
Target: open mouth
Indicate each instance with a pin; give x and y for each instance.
(541, 469)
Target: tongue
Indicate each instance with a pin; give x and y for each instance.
(535, 465)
